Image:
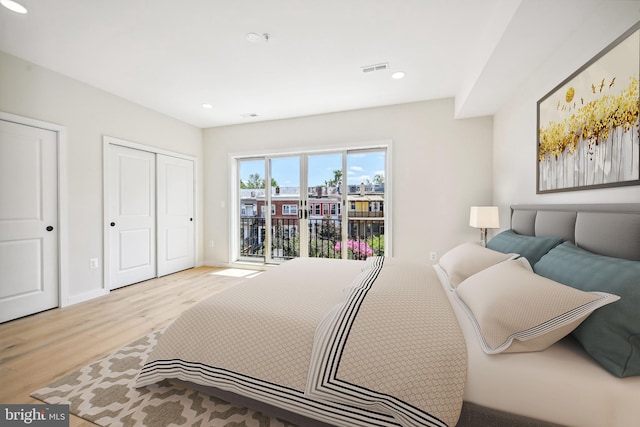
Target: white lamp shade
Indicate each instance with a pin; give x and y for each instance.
(484, 217)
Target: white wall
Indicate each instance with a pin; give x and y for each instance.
(514, 150)
(441, 166)
(88, 113)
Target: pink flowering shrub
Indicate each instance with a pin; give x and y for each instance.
(357, 249)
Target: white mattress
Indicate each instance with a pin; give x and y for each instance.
(561, 384)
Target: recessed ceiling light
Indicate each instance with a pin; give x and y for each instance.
(14, 6)
(207, 105)
(397, 75)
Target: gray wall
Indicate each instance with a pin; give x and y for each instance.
(440, 167)
(88, 113)
(514, 149)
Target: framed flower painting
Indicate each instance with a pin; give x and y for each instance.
(588, 130)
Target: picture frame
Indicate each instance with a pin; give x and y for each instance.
(588, 132)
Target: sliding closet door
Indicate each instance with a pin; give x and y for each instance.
(131, 216)
(176, 250)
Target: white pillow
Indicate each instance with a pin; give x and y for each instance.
(467, 259)
(515, 310)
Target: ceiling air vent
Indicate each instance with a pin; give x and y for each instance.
(375, 67)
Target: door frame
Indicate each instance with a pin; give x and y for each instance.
(110, 140)
(63, 236)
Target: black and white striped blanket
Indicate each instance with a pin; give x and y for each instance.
(345, 342)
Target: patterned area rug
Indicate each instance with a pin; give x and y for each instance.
(102, 393)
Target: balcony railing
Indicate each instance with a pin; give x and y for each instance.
(285, 238)
(365, 214)
(365, 238)
(252, 237)
(324, 234)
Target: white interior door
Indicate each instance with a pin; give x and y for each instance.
(176, 250)
(28, 220)
(132, 216)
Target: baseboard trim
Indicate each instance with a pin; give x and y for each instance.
(86, 296)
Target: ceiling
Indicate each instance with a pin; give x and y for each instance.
(173, 56)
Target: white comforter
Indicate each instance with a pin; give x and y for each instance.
(351, 343)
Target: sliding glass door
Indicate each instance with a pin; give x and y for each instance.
(270, 216)
(252, 210)
(365, 202)
(325, 205)
(286, 220)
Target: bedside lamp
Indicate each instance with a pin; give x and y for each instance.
(484, 217)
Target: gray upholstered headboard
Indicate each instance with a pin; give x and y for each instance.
(605, 229)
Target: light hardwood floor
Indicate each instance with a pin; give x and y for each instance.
(37, 349)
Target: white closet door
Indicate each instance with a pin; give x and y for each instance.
(28, 220)
(176, 249)
(132, 216)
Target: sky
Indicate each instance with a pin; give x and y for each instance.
(361, 166)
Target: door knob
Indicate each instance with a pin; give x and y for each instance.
(113, 224)
(49, 228)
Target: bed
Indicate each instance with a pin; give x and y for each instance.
(389, 342)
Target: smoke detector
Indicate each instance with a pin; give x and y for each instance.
(256, 38)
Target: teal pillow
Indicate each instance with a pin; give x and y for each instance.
(530, 247)
(611, 335)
